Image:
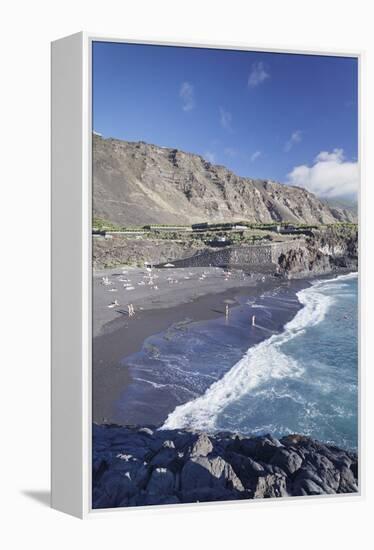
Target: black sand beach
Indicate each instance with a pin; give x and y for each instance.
(123, 336)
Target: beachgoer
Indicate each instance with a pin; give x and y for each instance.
(253, 320)
(227, 311)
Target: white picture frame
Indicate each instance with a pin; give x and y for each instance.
(72, 271)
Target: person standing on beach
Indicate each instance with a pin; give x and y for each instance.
(227, 312)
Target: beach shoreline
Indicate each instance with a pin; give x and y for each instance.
(201, 301)
(124, 336)
(158, 289)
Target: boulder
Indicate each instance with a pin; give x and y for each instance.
(162, 482)
(168, 444)
(289, 461)
(259, 448)
(133, 468)
(270, 486)
(245, 468)
(294, 439)
(99, 466)
(116, 487)
(209, 472)
(146, 431)
(348, 483)
(202, 446)
(306, 475)
(304, 486)
(167, 457)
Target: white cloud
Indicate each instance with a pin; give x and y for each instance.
(230, 152)
(330, 175)
(257, 75)
(336, 156)
(255, 155)
(296, 137)
(187, 95)
(225, 119)
(210, 157)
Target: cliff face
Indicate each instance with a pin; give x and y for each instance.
(329, 250)
(138, 183)
(142, 466)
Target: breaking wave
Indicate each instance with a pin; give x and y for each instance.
(260, 364)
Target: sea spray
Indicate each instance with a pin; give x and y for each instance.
(261, 364)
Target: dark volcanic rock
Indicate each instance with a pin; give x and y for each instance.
(162, 482)
(287, 459)
(328, 250)
(209, 472)
(348, 482)
(135, 466)
(270, 486)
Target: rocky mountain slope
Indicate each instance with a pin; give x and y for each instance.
(137, 183)
(141, 466)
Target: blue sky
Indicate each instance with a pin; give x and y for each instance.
(290, 118)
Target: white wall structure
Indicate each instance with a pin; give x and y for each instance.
(71, 261)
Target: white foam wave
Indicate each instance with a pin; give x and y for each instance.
(352, 275)
(261, 363)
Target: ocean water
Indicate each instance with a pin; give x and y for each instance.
(295, 372)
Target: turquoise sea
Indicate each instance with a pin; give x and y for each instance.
(300, 377)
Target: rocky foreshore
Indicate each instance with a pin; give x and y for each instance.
(137, 466)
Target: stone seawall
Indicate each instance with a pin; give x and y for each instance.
(295, 258)
(261, 257)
